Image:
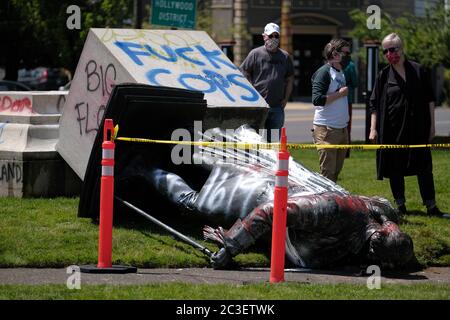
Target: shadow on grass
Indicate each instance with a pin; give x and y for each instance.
(421, 214)
(189, 224)
(403, 276)
(416, 213)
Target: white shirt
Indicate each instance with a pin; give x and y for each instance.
(335, 114)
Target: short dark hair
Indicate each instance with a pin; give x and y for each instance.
(334, 45)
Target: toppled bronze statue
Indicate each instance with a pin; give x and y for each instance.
(327, 226)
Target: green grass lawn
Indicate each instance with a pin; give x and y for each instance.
(47, 232)
(262, 291)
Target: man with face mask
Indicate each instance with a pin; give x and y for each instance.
(331, 117)
(271, 71)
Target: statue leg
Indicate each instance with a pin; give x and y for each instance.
(172, 187)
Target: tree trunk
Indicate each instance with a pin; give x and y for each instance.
(240, 31)
(286, 30)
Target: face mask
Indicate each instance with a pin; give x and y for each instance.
(393, 57)
(272, 44)
(345, 60)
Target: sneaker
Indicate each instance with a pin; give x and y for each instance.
(402, 209)
(435, 212)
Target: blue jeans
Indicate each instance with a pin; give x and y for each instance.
(275, 120)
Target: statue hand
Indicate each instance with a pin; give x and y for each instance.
(220, 259)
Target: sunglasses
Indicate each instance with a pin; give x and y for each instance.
(391, 50)
(276, 36)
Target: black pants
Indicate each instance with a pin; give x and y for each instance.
(426, 187)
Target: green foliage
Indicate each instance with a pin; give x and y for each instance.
(361, 32)
(204, 16)
(426, 39)
(104, 14)
(258, 291)
(40, 30)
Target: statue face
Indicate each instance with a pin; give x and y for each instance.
(390, 247)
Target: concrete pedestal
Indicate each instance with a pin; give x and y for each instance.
(30, 166)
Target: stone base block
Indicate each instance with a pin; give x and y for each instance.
(38, 178)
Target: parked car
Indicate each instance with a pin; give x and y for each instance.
(6, 85)
(43, 78)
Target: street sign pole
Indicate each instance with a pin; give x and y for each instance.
(372, 48)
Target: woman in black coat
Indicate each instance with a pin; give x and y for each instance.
(402, 107)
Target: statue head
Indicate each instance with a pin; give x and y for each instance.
(390, 247)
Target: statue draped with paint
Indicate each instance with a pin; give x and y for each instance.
(326, 225)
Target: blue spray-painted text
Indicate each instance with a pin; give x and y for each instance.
(215, 72)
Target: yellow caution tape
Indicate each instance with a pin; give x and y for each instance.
(276, 146)
(365, 146)
(116, 131)
(215, 144)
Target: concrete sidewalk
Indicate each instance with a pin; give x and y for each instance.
(31, 276)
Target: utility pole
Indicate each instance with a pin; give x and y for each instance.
(286, 29)
(138, 14)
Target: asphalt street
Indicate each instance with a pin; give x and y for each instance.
(299, 117)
